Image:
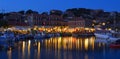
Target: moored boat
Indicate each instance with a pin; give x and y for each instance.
(102, 34)
(41, 35)
(7, 36)
(114, 37)
(115, 44)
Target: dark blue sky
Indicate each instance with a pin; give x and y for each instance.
(46, 5)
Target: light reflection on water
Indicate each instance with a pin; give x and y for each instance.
(9, 54)
(69, 43)
(23, 50)
(60, 48)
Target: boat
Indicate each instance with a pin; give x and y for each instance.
(115, 44)
(7, 39)
(101, 41)
(114, 37)
(102, 34)
(41, 35)
(109, 35)
(7, 36)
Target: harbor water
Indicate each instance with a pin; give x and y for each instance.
(61, 48)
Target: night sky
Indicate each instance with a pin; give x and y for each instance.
(46, 5)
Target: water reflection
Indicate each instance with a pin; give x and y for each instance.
(29, 47)
(69, 43)
(59, 48)
(23, 50)
(9, 52)
(86, 44)
(38, 53)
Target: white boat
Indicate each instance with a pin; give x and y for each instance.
(102, 34)
(115, 36)
(108, 36)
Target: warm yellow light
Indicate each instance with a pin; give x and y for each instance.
(92, 29)
(93, 24)
(38, 55)
(23, 49)
(103, 23)
(109, 29)
(35, 28)
(29, 42)
(29, 45)
(86, 44)
(86, 28)
(29, 29)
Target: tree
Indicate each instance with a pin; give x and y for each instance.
(73, 10)
(3, 23)
(56, 12)
(22, 12)
(31, 11)
(1, 15)
(44, 13)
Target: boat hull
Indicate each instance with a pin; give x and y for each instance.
(115, 46)
(100, 36)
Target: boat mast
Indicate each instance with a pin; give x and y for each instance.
(115, 22)
(113, 14)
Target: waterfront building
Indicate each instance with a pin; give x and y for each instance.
(75, 22)
(16, 19)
